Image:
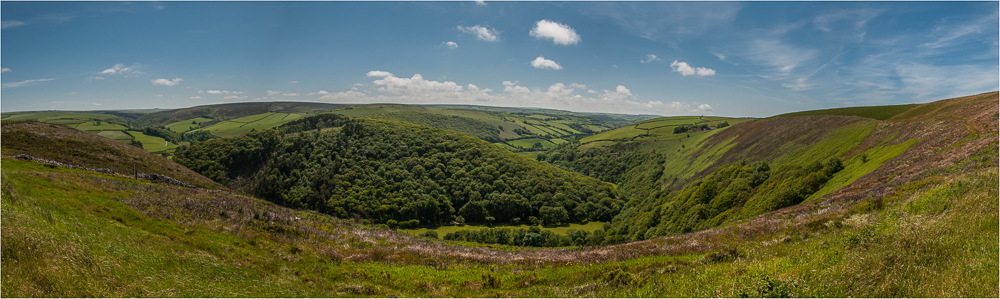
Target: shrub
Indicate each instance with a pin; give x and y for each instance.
(620, 277)
(763, 285)
(431, 234)
(491, 281)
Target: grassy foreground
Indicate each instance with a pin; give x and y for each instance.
(72, 233)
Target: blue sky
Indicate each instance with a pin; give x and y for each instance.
(665, 58)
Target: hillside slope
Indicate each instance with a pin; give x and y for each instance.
(655, 175)
(74, 233)
(85, 149)
(222, 112)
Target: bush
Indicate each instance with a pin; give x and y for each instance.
(431, 234)
(619, 277)
(759, 285)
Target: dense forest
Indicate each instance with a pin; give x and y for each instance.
(656, 207)
(397, 173)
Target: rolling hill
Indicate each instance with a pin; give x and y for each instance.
(656, 174)
(81, 148)
(911, 214)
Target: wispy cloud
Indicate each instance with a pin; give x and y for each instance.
(10, 24)
(667, 21)
(560, 34)
(542, 63)
(650, 58)
(25, 82)
(121, 69)
(482, 33)
(954, 33)
(451, 45)
(4, 70)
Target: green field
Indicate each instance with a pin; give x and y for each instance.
(258, 122)
(561, 229)
(152, 143)
(530, 142)
(116, 135)
(657, 129)
(553, 126)
(103, 126)
(187, 125)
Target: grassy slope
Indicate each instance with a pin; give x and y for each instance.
(81, 234)
(922, 224)
(66, 145)
(873, 112)
(224, 112)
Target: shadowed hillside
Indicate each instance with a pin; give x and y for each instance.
(82, 148)
(231, 111)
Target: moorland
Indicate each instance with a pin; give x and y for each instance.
(384, 200)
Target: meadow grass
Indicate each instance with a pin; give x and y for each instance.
(72, 233)
(529, 155)
(186, 125)
(104, 126)
(152, 143)
(116, 135)
(529, 142)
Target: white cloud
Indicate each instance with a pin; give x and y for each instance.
(686, 69)
(233, 97)
(481, 2)
(96, 104)
(166, 82)
(272, 93)
(560, 34)
(195, 97)
(541, 63)
(566, 96)
(23, 83)
(97, 78)
(415, 84)
(705, 107)
(4, 70)
(290, 94)
(10, 24)
(293, 82)
(121, 69)
(323, 92)
(650, 58)
(482, 33)
(512, 87)
(451, 45)
(217, 91)
(378, 74)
